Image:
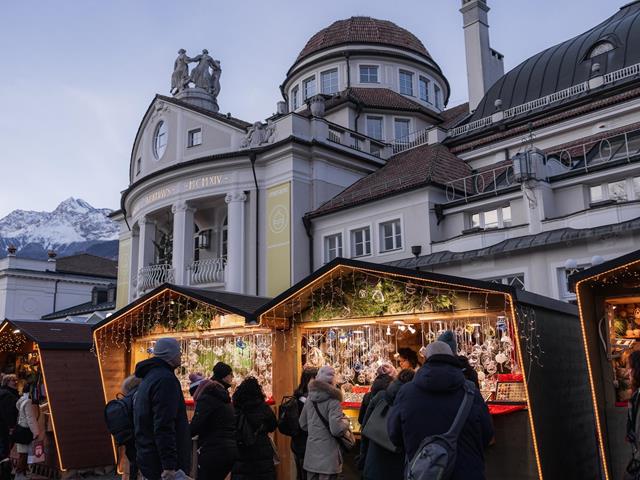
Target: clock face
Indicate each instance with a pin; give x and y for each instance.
(160, 139)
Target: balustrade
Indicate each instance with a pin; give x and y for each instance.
(209, 270)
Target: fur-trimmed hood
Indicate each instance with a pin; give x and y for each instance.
(322, 391)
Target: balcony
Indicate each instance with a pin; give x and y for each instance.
(154, 275)
(207, 271)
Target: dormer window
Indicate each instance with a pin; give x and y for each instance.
(600, 47)
(194, 137)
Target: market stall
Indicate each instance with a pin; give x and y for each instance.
(211, 326)
(525, 348)
(55, 359)
(609, 301)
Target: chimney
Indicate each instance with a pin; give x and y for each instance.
(484, 64)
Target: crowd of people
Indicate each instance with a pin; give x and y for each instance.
(405, 405)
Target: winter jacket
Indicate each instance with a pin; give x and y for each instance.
(323, 453)
(378, 462)
(256, 461)
(26, 418)
(214, 421)
(8, 417)
(299, 439)
(427, 406)
(379, 384)
(163, 441)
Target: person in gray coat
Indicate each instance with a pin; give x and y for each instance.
(323, 458)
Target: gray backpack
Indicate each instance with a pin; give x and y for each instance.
(435, 458)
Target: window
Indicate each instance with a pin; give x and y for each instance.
(515, 280)
(332, 247)
(361, 242)
(497, 218)
(160, 140)
(224, 237)
(599, 48)
(563, 282)
(329, 81)
(406, 82)
(401, 128)
(613, 191)
(390, 236)
(438, 95)
(424, 89)
(194, 137)
(368, 74)
(636, 187)
(374, 127)
(294, 99)
(138, 166)
(309, 87)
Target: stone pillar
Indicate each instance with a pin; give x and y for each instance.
(538, 197)
(235, 241)
(134, 264)
(183, 242)
(146, 249)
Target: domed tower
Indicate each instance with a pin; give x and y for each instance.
(376, 77)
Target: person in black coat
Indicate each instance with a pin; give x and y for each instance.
(215, 425)
(385, 374)
(163, 441)
(299, 439)
(256, 459)
(427, 406)
(8, 418)
(377, 462)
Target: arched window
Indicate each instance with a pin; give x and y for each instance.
(160, 140)
(223, 239)
(600, 47)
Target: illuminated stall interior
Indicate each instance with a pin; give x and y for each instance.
(55, 360)
(211, 327)
(609, 300)
(355, 316)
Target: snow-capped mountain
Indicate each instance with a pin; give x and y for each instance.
(73, 227)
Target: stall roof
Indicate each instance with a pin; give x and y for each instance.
(614, 264)
(520, 296)
(51, 335)
(243, 305)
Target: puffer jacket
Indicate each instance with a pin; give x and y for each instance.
(323, 453)
(427, 406)
(163, 441)
(377, 462)
(255, 462)
(214, 421)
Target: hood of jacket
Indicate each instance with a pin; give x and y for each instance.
(441, 373)
(144, 367)
(322, 391)
(217, 391)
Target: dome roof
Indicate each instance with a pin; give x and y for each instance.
(568, 63)
(363, 30)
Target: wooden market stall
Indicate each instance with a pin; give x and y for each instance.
(56, 358)
(609, 301)
(211, 326)
(526, 349)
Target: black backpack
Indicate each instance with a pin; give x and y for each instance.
(288, 416)
(246, 436)
(118, 415)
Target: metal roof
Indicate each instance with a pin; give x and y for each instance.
(614, 264)
(55, 335)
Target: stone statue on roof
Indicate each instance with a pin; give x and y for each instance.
(202, 77)
(180, 75)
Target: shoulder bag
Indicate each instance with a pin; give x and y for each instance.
(375, 428)
(346, 441)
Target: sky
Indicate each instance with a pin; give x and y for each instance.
(78, 75)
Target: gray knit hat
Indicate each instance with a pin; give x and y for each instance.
(450, 339)
(326, 374)
(167, 349)
(438, 348)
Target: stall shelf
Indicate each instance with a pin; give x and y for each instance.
(608, 298)
(211, 326)
(57, 357)
(526, 349)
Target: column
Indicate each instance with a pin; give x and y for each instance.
(235, 241)
(182, 241)
(133, 264)
(146, 249)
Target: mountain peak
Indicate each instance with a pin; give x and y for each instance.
(77, 205)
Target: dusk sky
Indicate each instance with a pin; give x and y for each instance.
(78, 75)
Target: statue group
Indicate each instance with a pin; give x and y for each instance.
(205, 75)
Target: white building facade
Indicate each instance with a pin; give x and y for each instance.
(537, 176)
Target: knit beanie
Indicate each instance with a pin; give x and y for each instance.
(450, 339)
(167, 349)
(438, 348)
(221, 370)
(386, 369)
(326, 374)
